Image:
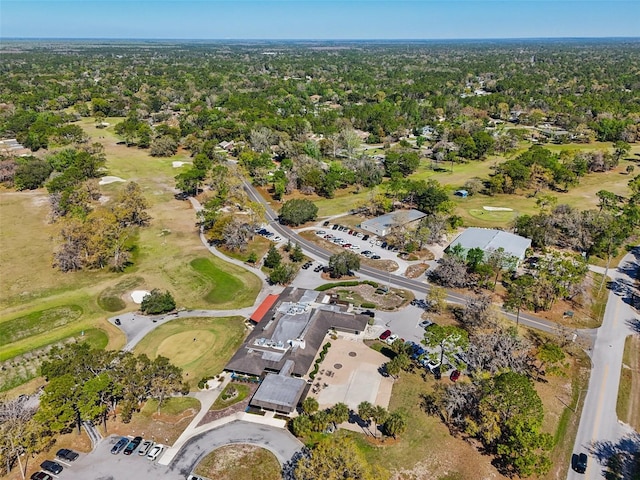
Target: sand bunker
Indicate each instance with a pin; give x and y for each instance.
(179, 164)
(110, 179)
(138, 295)
(498, 209)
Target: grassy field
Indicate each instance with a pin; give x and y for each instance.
(233, 462)
(200, 346)
(38, 297)
(226, 284)
(583, 196)
(242, 393)
(628, 405)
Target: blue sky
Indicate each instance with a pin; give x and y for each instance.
(319, 19)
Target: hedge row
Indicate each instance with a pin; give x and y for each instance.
(351, 283)
(316, 366)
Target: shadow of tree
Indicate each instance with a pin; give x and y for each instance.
(634, 324)
(619, 459)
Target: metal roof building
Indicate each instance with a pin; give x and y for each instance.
(280, 392)
(382, 225)
(489, 240)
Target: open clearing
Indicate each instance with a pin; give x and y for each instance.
(216, 339)
(32, 288)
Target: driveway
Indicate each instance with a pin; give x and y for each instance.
(278, 441)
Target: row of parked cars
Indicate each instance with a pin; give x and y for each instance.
(268, 234)
(420, 355)
(144, 448)
(50, 467)
(345, 244)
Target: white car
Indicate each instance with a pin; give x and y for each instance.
(155, 452)
(320, 232)
(277, 238)
(355, 247)
(145, 447)
(392, 338)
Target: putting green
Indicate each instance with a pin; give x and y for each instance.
(183, 350)
(492, 216)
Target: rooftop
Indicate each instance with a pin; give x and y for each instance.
(489, 239)
(297, 324)
(399, 217)
(279, 392)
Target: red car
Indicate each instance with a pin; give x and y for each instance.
(385, 335)
(455, 375)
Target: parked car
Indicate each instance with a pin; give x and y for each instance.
(318, 268)
(132, 446)
(320, 232)
(580, 463)
(66, 454)
(346, 245)
(455, 375)
(385, 334)
(117, 448)
(369, 313)
(375, 257)
(355, 247)
(194, 477)
(365, 238)
(437, 373)
(117, 321)
(326, 224)
(144, 449)
(41, 476)
(155, 452)
(51, 466)
(425, 324)
(334, 227)
(391, 339)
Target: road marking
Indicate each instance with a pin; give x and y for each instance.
(615, 315)
(600, 400)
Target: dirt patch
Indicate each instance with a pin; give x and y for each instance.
(417, 270)
(391, 300)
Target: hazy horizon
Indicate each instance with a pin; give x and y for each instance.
(319, 20)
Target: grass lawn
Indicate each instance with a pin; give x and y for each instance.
(258, 245)
(426, 446)
(216, 340)
(233, 462)
(628, 405)
(226, 284)
(163, 427)
(242, 393)
(31, 290)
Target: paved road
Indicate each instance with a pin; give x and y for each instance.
(418, 287)
(599, 421)
(277, 440)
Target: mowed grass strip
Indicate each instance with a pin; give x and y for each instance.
(227, 283)
(200, 346)
(247, 462)
(627, 407)
(38, 322)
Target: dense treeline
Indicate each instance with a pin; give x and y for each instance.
(83, 384)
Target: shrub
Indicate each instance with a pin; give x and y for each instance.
(368, 305)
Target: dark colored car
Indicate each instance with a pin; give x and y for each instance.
(50, 466)
(455, 375)
(369, 313)
(326, 224)
(41, 476)
(117, 448)
(365, 238)
(133, 444)
(117, 321)
(334, 227)
(580, 463)
(437, 373)
(68, 455)
(375, 257)
(385, 334)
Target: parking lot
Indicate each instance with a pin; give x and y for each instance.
(102, 465)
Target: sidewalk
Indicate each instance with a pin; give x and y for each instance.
(207, 398)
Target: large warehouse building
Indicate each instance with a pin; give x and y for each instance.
(383, 224)
(489, 240)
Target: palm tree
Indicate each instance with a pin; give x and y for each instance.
(365, 411)
(339, 414)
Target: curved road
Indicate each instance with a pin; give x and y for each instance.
(277, 440)
(386, 277)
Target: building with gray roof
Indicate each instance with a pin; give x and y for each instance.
(279, 392)
(383, 224)
(489, 240)
(293, 329)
